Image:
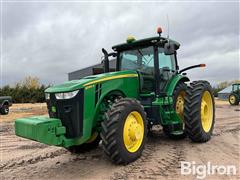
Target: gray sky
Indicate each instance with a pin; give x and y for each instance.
(50, 39)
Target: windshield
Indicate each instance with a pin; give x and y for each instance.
(138, 59)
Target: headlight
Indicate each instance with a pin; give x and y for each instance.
(47, 96)
(66, 95)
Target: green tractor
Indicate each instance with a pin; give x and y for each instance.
(234, 96)
(119, 108)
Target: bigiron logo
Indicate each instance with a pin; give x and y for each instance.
(202, 171)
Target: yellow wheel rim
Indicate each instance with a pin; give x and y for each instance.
(206, 111)
(232, 99)
(180, 104)
(133, 131)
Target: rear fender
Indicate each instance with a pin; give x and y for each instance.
(173, 83)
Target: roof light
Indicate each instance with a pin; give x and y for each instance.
(159, 30)
(130, 39)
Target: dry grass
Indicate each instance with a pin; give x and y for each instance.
(24, 110)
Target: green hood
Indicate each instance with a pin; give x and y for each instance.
(88, 80)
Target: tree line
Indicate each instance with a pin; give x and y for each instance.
(30, 90)
(27, 91)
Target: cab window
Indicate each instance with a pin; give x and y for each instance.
(166, 60)
(235, 87)
(139, 59)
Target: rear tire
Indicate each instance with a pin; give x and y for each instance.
(233, 99)
(199, 112)
(124, 131)
(178, 104)
(5, 109)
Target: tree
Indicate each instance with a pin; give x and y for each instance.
(31, 82)
(27, 91)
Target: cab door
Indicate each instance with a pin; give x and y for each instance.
(167, 68)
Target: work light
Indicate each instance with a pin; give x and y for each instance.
(66, 95)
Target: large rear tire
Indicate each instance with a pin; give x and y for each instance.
(179, 94)
(124, 131)
(199, 111)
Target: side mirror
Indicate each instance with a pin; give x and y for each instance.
(166, 69)
(169, 48)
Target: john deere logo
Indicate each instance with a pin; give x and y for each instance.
(53, 109)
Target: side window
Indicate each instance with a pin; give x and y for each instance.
(235, 87)
(129, 61)
(138, 59)
(166, 60)
(148, 64)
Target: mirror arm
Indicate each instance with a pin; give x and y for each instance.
(191, 67)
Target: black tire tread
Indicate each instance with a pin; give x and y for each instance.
(2, 110)
(76, 149)
(109, 133)
(192, 111)
(237, 100)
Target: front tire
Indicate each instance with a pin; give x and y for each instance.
(124, 131)
(5, 109)
(91, 144)
(199, 112)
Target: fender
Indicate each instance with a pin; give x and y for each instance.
(106, 93)
(173, 82)
(104, 96)
(95, 94)
(5, 101)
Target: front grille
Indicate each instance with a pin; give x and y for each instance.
(69, 111)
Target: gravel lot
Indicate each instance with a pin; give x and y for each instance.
(25, 159)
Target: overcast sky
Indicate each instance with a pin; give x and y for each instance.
(51, 39)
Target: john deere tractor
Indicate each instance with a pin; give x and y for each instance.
(119, 108)
(234, 96)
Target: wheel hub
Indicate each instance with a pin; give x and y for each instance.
(133, 131)
(180, 104)
(206, 111)
(232, 99)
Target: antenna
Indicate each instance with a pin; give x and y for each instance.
(168, 30)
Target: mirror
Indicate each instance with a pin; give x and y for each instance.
(169, 48)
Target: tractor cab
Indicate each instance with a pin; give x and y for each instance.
(155, 61)
(149, 58)
(153, 58)
(234, 96)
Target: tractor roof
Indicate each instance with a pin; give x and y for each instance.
(143, 42)
(236, 84)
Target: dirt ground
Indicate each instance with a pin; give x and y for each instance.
(25, 159)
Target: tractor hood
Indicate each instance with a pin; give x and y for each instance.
(89, 80)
